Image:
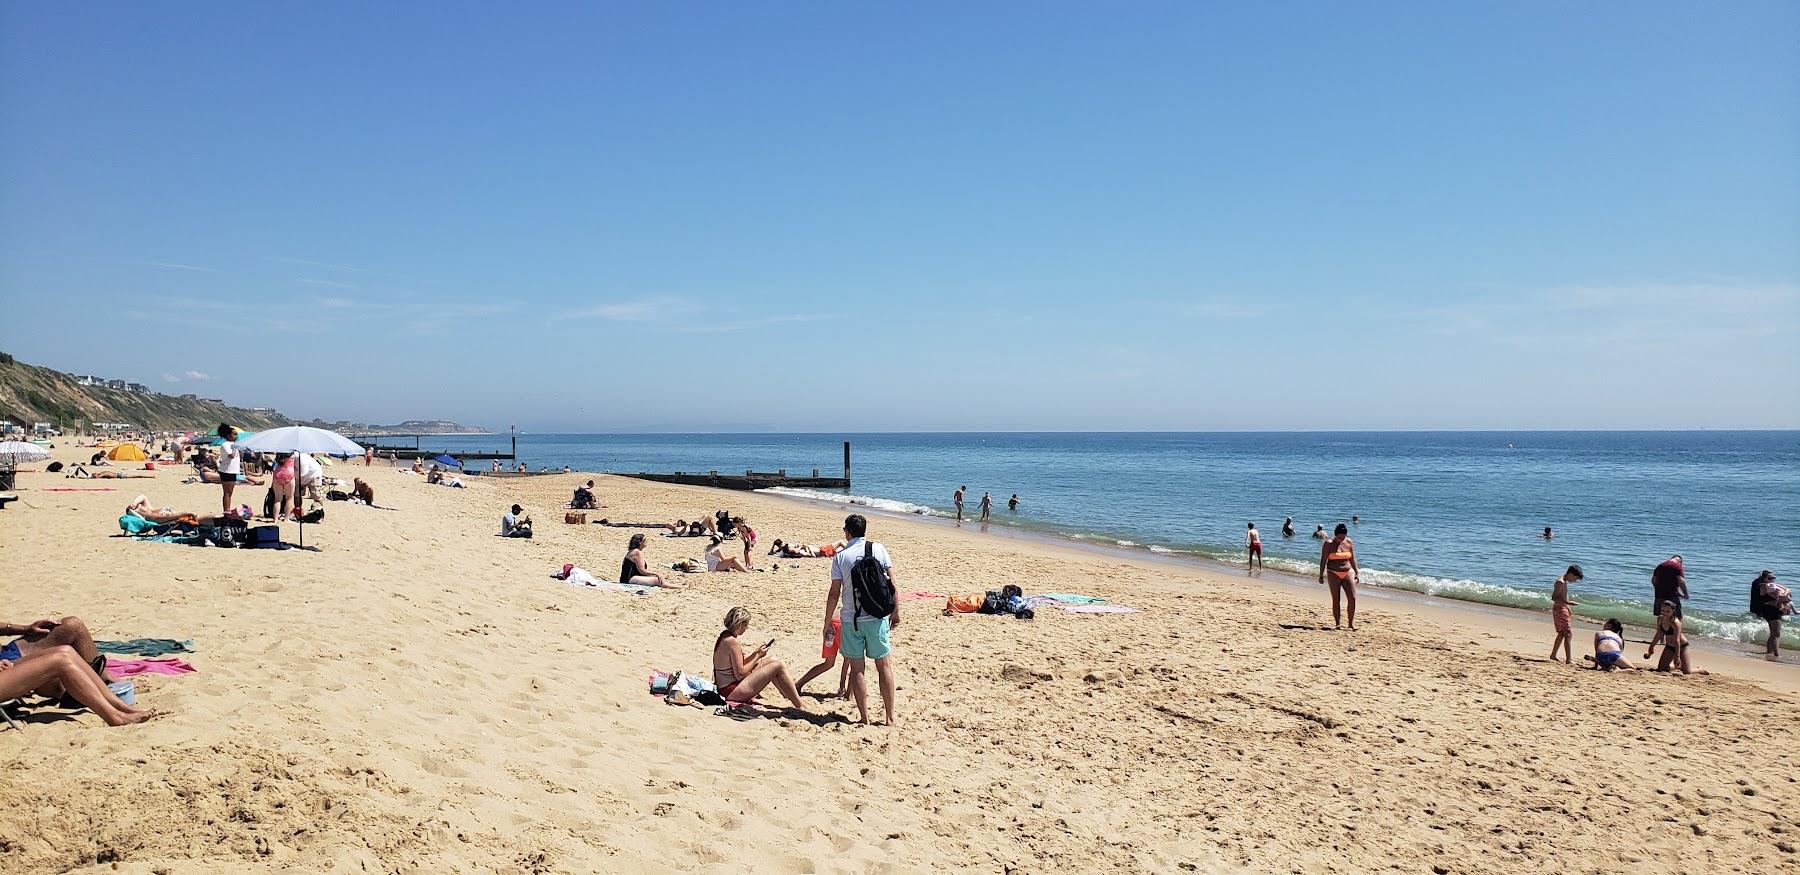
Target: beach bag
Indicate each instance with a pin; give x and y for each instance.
(994, 603)
(1011, 591)
(264, 537)
(874, 589)
(269, 503)
(316, 515)
(336, 495)
(575, 519)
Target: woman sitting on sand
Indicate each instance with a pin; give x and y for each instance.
(741, 677)
(363, 492)
(716, 560)
(61, 668)
(635, 570)
(1609, 648)
(1674, 641)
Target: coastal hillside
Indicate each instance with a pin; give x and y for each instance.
(29, 394)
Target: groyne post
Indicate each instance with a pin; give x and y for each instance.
(846, 460)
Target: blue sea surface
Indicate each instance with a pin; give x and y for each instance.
(1454, 514)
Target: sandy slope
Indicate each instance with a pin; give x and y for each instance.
(421, 696)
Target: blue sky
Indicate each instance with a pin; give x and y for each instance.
(838, 217)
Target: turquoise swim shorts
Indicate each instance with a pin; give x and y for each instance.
(867, 638)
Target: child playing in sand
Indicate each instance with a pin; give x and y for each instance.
(1609, 648)
(1560, 613)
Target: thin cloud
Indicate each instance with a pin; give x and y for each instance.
(188, 267)
(198, 375)
(330, 284)
(310, 263)
(645, 310)
(336, 303)
(763, 322)
(170, 378)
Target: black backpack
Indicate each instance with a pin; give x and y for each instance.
(874, 589)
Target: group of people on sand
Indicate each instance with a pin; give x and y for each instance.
(848, 630)
(987, 503)
(57, 659)
(1769, 601)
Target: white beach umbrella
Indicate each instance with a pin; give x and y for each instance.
(15, 453)
(301, 439)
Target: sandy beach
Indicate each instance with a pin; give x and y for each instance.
(421, 696)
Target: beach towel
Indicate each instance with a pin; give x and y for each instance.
(919, 596)
(127, 667)
(1098, 609)
(146, 646)
(963, 604)
(1069, 598)
(581, 577)
(78, 489)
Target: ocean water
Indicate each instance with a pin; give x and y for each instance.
(1452, 514)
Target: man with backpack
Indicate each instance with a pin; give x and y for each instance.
(863, 575)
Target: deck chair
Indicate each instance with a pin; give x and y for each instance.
(6, 714)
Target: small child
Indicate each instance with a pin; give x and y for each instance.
(827, 658)
(1560, 614)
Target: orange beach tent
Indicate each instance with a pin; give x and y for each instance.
(126, 453)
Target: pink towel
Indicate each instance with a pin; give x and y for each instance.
(1098, 609)
(919, 596)
(127, 667)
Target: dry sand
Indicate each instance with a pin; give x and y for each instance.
(420, 696)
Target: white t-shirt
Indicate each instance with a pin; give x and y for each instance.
(230, 460)
(309, 469)
(508, 523)
(840, 571)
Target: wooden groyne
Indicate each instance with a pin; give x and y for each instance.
(750, 480)
(417, 451)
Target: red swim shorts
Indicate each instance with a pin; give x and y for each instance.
(831, 644)
(1560, 616)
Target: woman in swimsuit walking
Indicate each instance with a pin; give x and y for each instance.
(740, 677)
(1337, 569)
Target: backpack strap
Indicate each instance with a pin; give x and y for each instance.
(868, 549)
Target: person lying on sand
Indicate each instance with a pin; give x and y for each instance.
(685, 529)
(143, 508)
(82, 473)
(1609, 648)
(739, 676)
(716, 560)
(59, 671)
(636, 570)
(211, 475)
(30, 639)
(792, 551)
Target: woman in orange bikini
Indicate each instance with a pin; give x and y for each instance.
(1337, 569)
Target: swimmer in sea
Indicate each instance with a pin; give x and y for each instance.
(1287, 528)
(1319, 533)
(1012, 504)
(1547, 535)
(1337, 569)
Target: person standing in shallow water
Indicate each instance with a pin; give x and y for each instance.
(987, 506)
(958, 498)
(1337, 569)
(1012, 504)
(1253, 545)
(1287, 527)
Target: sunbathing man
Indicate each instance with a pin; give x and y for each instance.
(143, 508)
(83, 473)
(211, 475)
(32, 639)
(792, 551)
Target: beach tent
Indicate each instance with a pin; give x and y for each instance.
(126, 453)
